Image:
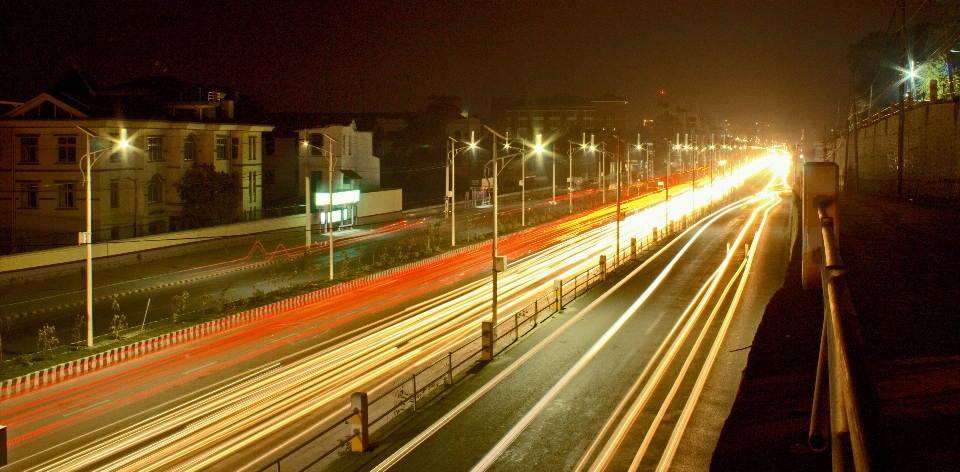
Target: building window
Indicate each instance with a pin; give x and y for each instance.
(220, 150)
(114, 232)
(29, 150)
(316, 144)
(251, 148)
(66, 149)
(65, 195)
(250, 186)
(190, 148)
(347, 145)
(115, 193)
(154, 148)
(155, 190)
(254, 185)
(235, 148)
(28, 194)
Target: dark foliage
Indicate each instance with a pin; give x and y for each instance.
(209, 197)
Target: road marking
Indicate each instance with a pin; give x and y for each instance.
(86, 409)
(198, 368)
(654, 324)
(285, 337)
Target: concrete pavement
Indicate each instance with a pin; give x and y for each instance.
(904, 279)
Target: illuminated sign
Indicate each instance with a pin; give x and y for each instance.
(343, 197)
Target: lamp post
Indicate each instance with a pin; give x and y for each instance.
(329, 209)
(496, 170)
(452, 179)
(90, 158)
(570, 145)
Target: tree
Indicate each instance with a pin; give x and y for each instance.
(209, 197)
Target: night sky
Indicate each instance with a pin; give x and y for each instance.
(778, 61)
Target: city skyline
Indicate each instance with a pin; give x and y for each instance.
(782, 64)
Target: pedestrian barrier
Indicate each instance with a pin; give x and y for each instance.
(845, 407)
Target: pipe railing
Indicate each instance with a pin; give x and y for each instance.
(413, 389)
(845, 408)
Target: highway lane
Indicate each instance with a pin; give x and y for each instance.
(559, 409)
(34, 427)
(261, 263)
(120, 396)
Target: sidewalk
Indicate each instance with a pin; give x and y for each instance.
(904, 275)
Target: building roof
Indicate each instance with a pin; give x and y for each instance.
(148, 98)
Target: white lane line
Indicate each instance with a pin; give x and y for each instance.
(285, 337)
(423, 436)
(680, 428)
(74, 412)
(508, 439)
(654, 324)
(199, 368)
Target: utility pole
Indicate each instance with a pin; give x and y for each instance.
(306, 212)
(570, 177)
(617, 258)
(903, 105)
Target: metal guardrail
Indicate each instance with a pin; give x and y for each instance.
(410, 393)
(845, 408)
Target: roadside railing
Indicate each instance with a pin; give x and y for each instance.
(416, 389)
(419, 387)
(845, 410)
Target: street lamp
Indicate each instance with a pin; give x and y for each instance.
(452, 179)
(497, 262)
(537, 148)
(90, 158)
(329, 153)
(583, 148)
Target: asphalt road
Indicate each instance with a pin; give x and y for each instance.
(76, 415)
(95, 415)
(240, 265)
(555, 401)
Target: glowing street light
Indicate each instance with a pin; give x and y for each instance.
(91, 158)
(499, 264)
(329, 153)
(451, 176)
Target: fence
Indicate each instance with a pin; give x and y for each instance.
(845, 405)
(410, 393)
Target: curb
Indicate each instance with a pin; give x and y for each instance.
(71, 369)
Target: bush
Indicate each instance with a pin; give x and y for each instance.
(117, 326)
(22, 359)
(180, 305)
(47, 341)
(79, 330)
